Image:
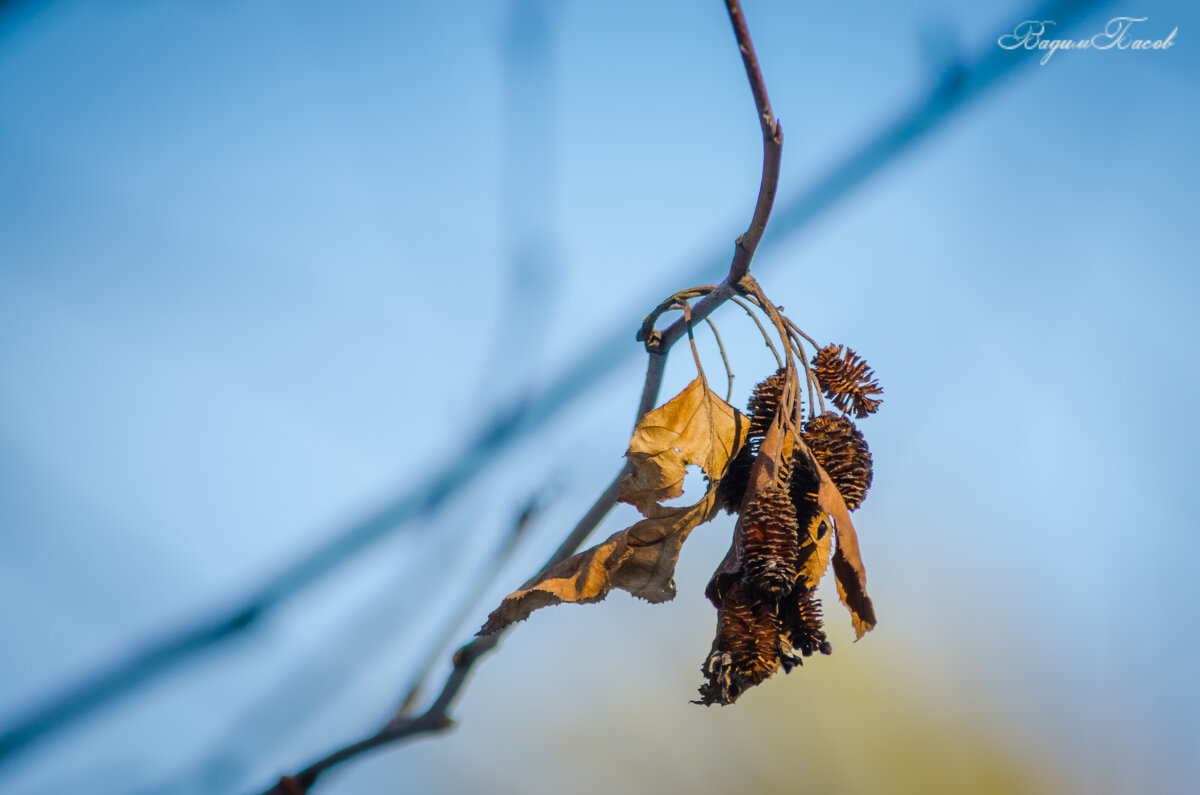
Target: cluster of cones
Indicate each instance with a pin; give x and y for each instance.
(768, 614)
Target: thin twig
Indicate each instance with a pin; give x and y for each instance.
(679, 300)
(766, 337)
(772, 147)
(752, 290)
(724, 358)
(687, 315)
(747, 243)
(812, 377)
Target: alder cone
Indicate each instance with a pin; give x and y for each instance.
(732, 487)
(747, 649)
(801, 624)
(804, 484)
(841, 450)
(768, 537)
(760, 409)
(847, 380)
(764, 403)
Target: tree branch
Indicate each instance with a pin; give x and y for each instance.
(437, 717)
(747, 244)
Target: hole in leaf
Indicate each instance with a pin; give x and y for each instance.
(694, 486)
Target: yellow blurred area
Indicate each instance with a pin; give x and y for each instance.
(595, 700)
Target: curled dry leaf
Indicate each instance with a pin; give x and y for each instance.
(847, 561)
(695, 427)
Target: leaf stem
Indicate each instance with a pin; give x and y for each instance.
(724, 358)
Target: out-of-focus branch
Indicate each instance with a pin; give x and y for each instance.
(437, 717)
(479, 586)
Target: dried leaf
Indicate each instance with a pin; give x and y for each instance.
(847, 561)
(655, 543)
(640, 559)
(816, 545)
(694, 427)
(816, 528)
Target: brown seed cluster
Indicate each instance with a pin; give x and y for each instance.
(747, 649)
(767, 536)
(768, 614)
(846, 380)
(841, 450)
(764, 403)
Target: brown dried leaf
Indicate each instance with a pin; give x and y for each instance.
(847, 561)
(816, 544)
(694, 427)
(640, 560)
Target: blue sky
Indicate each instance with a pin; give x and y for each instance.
(257, 277)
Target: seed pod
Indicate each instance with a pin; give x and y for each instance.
(847, 380)
(732, 487)
(767, 537)
(800, 622)
(803, 485)
(841, 450)
(746, 650)
(765, 402)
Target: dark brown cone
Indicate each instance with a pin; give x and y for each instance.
(800, 622)
(732, 487)
(847, 380)
(841, 450)
(769, 541)
(747, 648)
(764, 403)
(803, 485)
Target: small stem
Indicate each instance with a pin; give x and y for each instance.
(766, 337)
(812, 378)
(647, 332)
(724, 358)
(687, 315)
